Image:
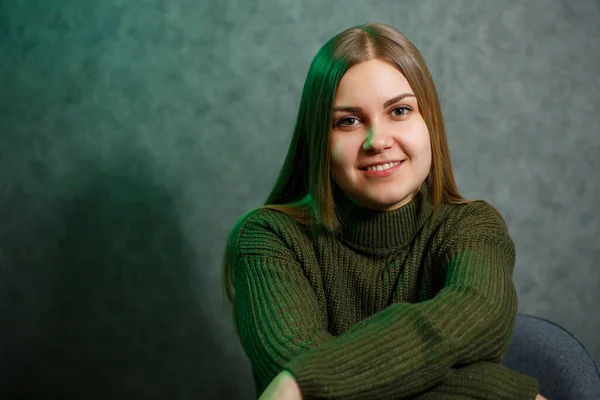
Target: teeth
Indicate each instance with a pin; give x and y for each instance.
(383, 166)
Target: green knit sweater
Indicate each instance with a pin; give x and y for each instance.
(400, 304)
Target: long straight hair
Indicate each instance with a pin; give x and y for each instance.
(304, 190)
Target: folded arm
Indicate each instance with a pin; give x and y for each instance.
(483, 381)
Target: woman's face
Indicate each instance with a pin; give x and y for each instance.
(372, 125)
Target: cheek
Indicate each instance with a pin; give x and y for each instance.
(420, 145)
(426, 148)
(341, 152)
(426, 155)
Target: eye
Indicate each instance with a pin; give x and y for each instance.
(403, 108)
(342, 121)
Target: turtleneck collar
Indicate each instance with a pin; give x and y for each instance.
(381, 230)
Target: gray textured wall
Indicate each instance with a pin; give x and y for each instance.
(133, 134)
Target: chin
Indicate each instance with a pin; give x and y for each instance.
(392, 201)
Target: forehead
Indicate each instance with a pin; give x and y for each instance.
(371, 80)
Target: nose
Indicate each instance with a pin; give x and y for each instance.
(377, 140)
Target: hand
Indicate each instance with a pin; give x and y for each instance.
(540, 397)
(283, 387)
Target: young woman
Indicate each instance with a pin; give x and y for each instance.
(366, 275)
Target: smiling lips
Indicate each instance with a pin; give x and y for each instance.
(382, 170)
(382, 167)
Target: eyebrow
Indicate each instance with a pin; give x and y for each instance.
(386, 104)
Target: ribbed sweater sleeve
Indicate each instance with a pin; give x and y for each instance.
(277, 310)
(483, 381)
(400, 352)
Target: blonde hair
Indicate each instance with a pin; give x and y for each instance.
(304, 190)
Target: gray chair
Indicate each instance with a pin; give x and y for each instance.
(557, 359)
